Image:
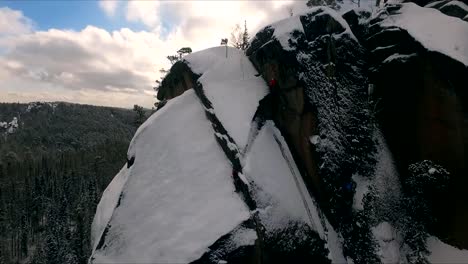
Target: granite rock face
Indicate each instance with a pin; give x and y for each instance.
(420, 98)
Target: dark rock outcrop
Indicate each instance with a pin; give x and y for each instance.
(455, 10)
(358, 22)
(322, 111)
(420, 102)
(177, 81)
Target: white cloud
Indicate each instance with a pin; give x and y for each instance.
(88, 62)
(109, 6)
(13, 22)
(117, 68)
(206, 17)
(143, 11)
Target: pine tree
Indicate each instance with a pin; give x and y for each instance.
(24, 237)
(425, 182)
(140, 115)
(184, 51)
(245, 37)
(240, 38)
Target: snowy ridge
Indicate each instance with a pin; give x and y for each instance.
(458, 4)
(339, 19)
(433, 29)
(231, 87)
(283, 29)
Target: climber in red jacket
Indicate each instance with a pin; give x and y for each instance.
(279, 98)
(273, 84)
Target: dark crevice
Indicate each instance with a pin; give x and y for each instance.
(102, 240)
(130, 162)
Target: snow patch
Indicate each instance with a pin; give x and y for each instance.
(444, 253)
(13, 125)
(433, 4)
(383, 48)
(244, 237)
(279, 184)
(243, 179)
(387, 184)
(362, 187)
(285, 28)
(389, 246)
(399, 57)
(334, 245)
(314, 140)
(230, 145)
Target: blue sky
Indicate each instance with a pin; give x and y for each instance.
(70, 14)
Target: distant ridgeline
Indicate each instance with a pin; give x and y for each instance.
(51, 127)
(55, 161)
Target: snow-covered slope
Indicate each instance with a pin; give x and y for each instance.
(444, 253)
(178, 197)
(231, 86)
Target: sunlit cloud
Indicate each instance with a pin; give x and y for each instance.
(117, 68)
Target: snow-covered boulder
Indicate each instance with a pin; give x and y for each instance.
(191, 193)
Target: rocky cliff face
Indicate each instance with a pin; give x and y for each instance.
(351, 159)
(420, 100)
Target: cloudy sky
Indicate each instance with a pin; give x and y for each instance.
(110, 52)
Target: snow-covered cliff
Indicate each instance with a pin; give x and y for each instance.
(228, 171)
